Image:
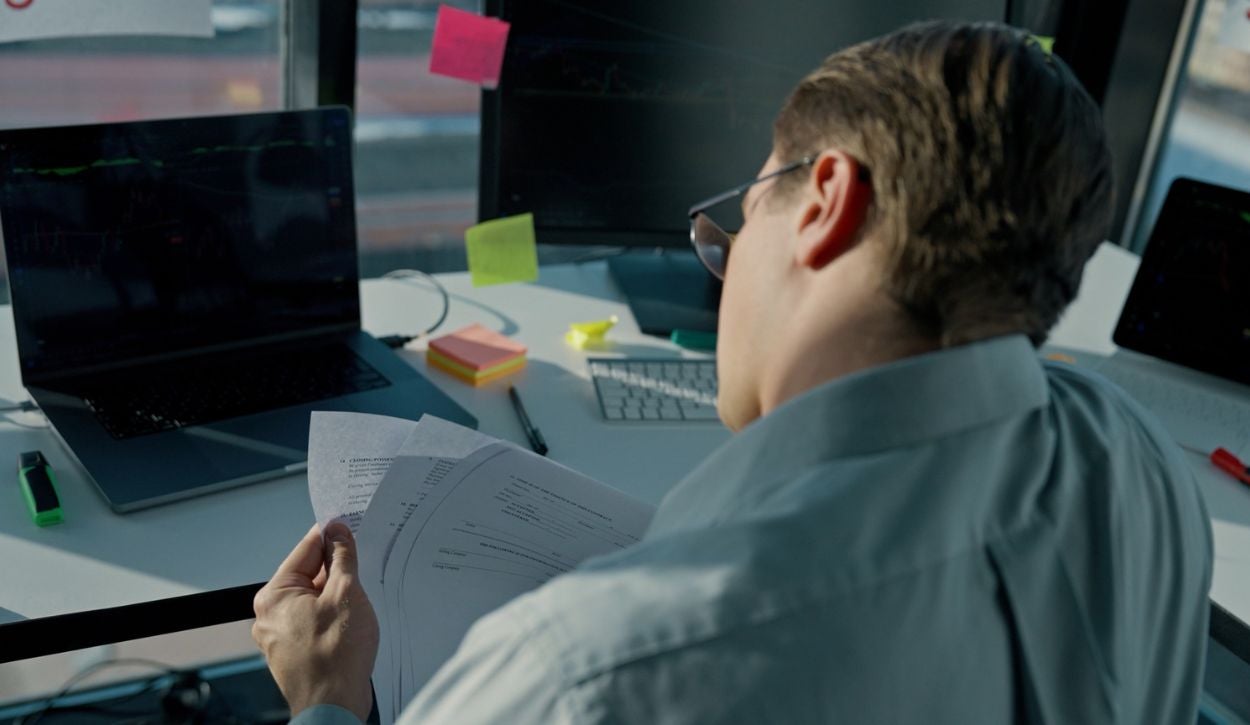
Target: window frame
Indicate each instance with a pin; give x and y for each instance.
(318, 48)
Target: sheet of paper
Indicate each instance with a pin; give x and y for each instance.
(348, 455)
(1235, 30)
(503, 521)
(457, 524)
(431, 451)
(468, 46)
(415, 480)
(35, 19)
(437, 438)
(502, 250)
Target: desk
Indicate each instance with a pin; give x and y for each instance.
(217, 547)
(196, 562)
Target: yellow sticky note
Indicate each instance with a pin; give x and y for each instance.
(502, 250)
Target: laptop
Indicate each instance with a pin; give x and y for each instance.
(1184, 330)
(185, 294)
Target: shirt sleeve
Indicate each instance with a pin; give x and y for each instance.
(503, 671)
(325, 715)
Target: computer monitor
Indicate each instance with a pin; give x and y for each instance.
(611, 118)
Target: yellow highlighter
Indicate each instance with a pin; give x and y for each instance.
(583, 335)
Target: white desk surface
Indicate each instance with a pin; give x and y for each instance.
(99, 559)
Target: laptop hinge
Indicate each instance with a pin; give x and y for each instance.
(328, 333)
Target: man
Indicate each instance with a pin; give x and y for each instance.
(918, 520)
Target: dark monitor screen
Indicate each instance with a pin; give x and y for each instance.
(1189, 302)
(131, 240)
(612, 118)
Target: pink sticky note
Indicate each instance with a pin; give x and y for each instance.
(477, 347)
(468, 46)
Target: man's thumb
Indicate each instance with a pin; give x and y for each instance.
(342, 551)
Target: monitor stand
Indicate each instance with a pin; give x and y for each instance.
(668, 291)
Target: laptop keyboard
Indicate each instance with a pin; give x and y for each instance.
(206, 392)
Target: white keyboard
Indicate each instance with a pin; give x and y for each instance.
(663, 390)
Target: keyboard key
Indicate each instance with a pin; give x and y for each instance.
(701, 412)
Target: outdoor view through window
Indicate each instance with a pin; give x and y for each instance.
(416, 161)
(417, 134)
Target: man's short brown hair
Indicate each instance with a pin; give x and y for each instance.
(991, 174)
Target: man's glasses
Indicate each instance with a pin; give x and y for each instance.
(710, 240)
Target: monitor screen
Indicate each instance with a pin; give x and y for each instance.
(131, 240)
(1189, 302)
(612, 118)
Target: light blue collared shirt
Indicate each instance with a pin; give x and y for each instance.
(965, 536)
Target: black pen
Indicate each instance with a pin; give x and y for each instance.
(536, 437)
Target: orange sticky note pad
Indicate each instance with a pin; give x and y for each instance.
(468, 46)
(477, 348)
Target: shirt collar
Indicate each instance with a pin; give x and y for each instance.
(899, 404)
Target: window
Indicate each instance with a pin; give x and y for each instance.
(417, 143)
(85, 80)
(88, 80)
(1209, 137)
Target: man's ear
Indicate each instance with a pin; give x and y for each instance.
(834, 205)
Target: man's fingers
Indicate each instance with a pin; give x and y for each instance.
(341, 561)
(305, 559)
(319, 581)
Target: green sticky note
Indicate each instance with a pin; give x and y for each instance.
(502, 250)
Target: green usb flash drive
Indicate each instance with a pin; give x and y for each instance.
(39, 488)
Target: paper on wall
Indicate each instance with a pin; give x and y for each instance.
(36, 19)
(502, 250)
(468, 46)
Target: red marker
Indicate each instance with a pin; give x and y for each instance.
(1227, 462)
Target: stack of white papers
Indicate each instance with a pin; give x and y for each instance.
(451, 524)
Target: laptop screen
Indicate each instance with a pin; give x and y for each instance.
(131, 240)
(1190, 301)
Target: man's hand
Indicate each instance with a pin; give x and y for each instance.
(315, 626)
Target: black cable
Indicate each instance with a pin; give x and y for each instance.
(26, 406)
(50, 705)
(187, 698)
(405, 274)
(1008, 10)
